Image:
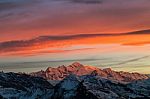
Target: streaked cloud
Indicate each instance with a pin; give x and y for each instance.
(87, 1)
(51, 44)
(130, 61)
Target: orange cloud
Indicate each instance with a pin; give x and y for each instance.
(55, 44)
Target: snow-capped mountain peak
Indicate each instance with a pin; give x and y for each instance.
(78, 69)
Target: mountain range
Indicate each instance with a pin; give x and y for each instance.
(78, 69)
(75, 81)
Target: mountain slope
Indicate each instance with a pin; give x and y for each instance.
(90, 86)
(95, 87)
(22, 86)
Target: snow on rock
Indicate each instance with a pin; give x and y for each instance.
(142, 88)
(78, 69)
(96, 87)
(66, 89)
(89, 86)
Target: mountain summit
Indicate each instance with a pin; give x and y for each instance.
(78, 69)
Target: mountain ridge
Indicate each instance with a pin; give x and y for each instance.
(75, 81)
(61, 72)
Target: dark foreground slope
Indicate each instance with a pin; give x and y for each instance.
(91, 86)
(95, 87)
(22, 86)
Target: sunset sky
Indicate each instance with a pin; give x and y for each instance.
(103, 33)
